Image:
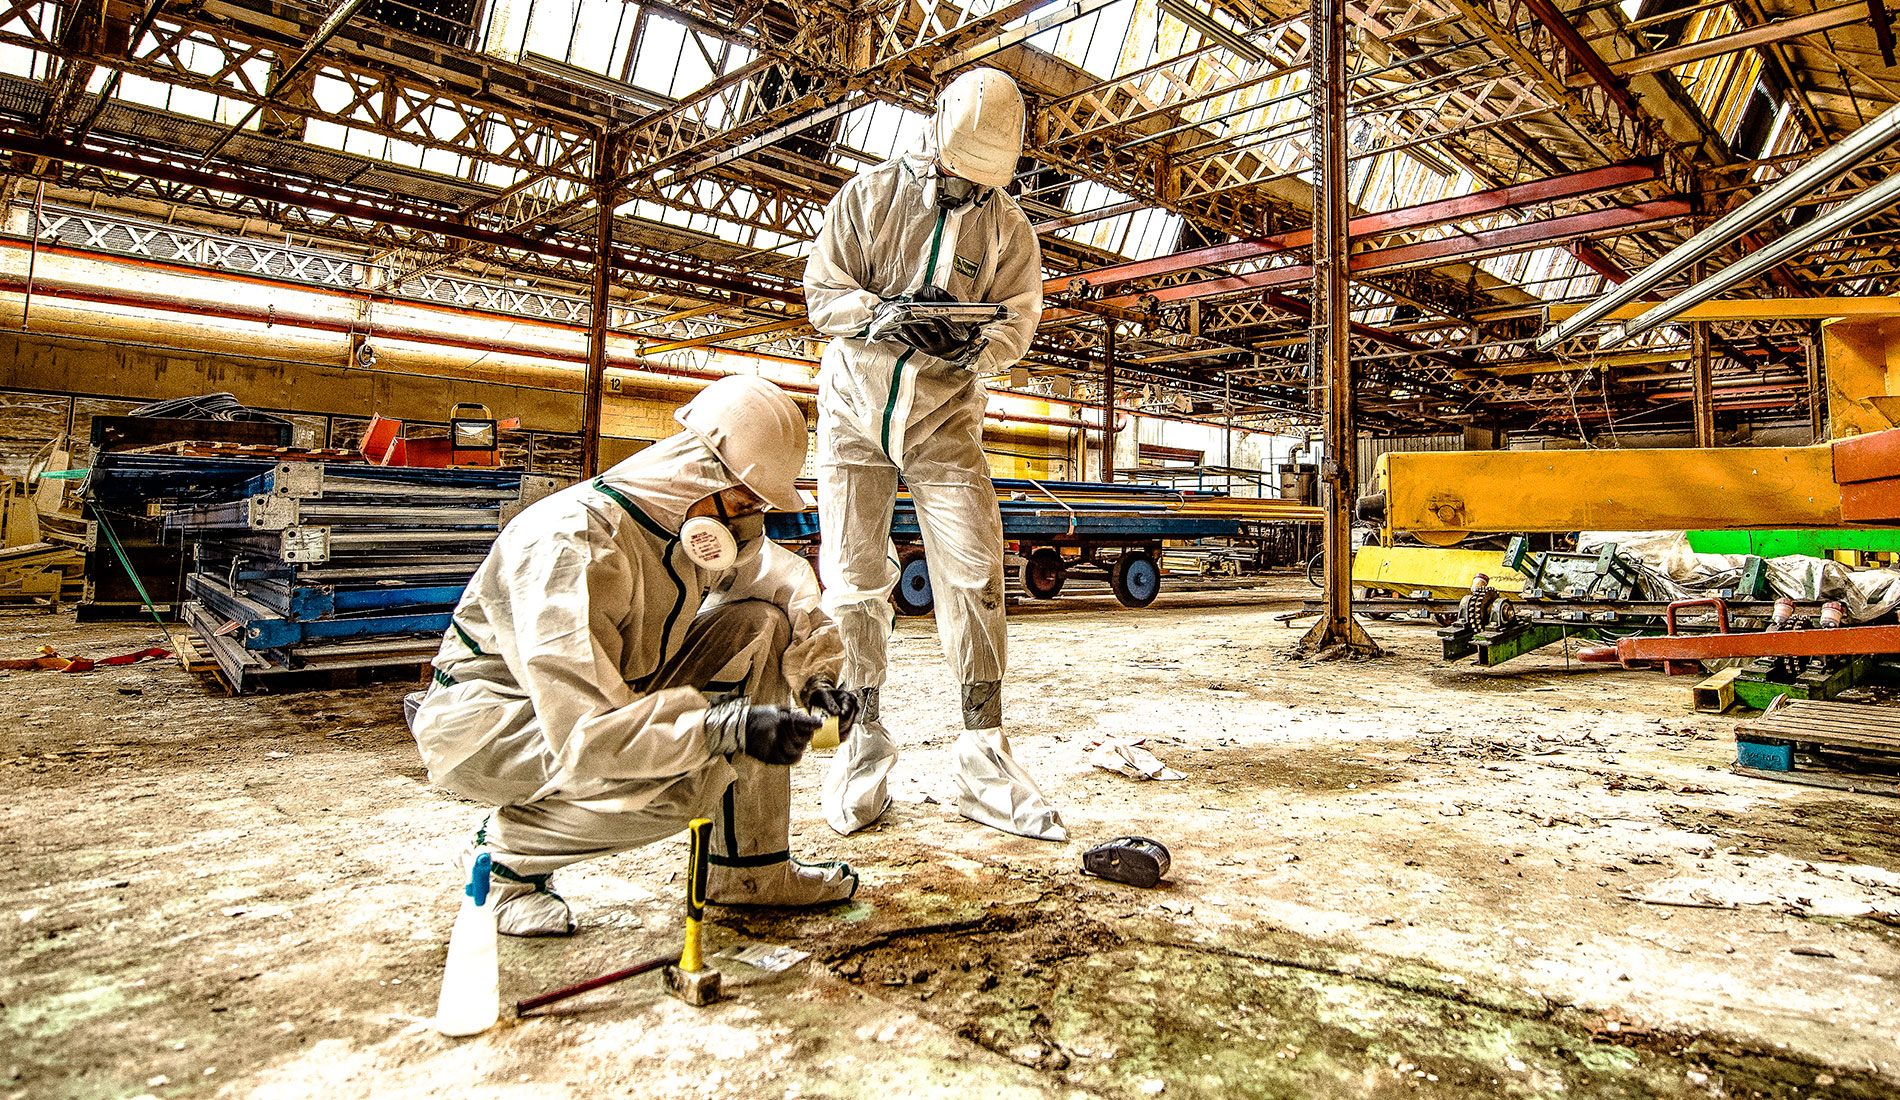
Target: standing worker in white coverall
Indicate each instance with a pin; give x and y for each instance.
(622, 662)
(934, 225)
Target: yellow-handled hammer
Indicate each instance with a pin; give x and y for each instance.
(692, 980)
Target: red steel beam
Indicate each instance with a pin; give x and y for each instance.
(1559, 25)
(1516, 238)
(1469, 246)
(1594, 181)
(1597, 260)
(1289, 304)
(1846, 641)
(1874, 456)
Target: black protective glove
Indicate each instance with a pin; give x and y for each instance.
(823, 694)
(938, 338)
(778, 735)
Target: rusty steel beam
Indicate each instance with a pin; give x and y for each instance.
(1108, 400)
(265, 192)
(1298, 308)
(1559, 26)
(1594, 181)
(1766, 34)
(111, 86)
(1883, 29)
(331, 24)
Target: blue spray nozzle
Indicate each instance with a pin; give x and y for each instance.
(477, 887)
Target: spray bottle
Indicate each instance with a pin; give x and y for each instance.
(471, 982)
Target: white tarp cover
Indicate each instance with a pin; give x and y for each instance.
(1673, 571)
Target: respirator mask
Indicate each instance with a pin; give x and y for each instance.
(714, 544)
(954, 191)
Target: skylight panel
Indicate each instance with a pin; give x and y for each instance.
(881, 130)
(657, 62)
(596, 30)
(19, 59)
(551, 26)
(362, 143)
(1094, 42)
(149, 93)
(319, 131)
(194, 102)
(1157, 232)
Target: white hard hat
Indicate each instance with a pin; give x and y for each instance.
(980, 127)
(757, 431)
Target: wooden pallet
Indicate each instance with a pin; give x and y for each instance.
(192, 653)
(1844, 746)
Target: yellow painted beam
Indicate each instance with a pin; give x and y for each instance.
(1447, 573)
(1609, 490)
(1753, 309)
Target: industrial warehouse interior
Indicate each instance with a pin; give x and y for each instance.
(953, 548)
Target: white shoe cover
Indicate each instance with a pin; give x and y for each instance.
(997, 791)
(857, 791)
(789, 883)
(525, 905)
(531, 912)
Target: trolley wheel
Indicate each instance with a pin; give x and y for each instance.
(912, 594)
(1316, 570)
(1044, 573)
(1136, 579)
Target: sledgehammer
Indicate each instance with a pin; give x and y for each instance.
(692, 980)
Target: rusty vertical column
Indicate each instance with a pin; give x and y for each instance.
(599, 307)
(1108, 399)
(1331, 348)
(1702, 366)
(1817, 387)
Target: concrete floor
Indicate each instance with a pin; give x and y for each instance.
(1393, 878)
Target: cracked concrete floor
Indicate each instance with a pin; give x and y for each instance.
(1393, 878)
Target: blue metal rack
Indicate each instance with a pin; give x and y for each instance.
(305, 565)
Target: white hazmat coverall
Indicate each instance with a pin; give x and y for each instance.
(572, 688)
(887, 410)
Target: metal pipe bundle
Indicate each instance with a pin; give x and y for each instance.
(1838, 159)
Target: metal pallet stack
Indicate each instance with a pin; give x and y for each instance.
(310, 567)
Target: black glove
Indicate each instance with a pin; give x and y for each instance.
(825, 695)
(778, 735)
(938, 338)
(930, 337)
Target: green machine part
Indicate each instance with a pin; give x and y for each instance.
(1812, 542)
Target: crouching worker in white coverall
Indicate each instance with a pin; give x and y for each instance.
(932, 226)
(624, 661)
